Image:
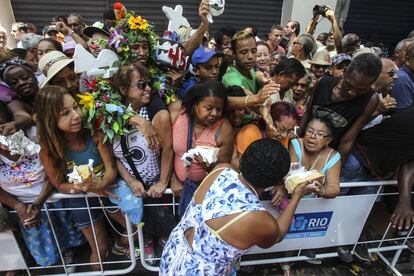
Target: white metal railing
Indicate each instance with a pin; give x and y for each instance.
(101, 262)
(377, 246)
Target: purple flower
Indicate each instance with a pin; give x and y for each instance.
(116, 38)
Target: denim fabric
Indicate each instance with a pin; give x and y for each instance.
(353, 171)
(186, 195)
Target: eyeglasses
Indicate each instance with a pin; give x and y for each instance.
(318, 135)
(142, 84)
(295, 42)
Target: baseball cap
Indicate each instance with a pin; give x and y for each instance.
(30, 40)
(97, 27)
(340, 58)
(203, 55)
(49, 29)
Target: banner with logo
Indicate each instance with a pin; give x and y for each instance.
(319, 223)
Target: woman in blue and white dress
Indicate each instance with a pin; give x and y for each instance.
(225, 218)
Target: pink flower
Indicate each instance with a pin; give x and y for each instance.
(106, 98)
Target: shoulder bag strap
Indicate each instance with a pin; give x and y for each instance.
(128, 158)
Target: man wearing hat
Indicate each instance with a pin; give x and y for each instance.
(320, 64)
(206, 65)
(339, 64)
(98, 37)
(52, 32)
(58, 69)
(29, 43)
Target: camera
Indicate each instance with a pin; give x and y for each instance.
(320, 10)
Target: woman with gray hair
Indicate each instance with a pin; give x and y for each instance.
(302, 48)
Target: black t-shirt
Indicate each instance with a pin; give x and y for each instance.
(155, 105)
(342, 114)
(389, 144)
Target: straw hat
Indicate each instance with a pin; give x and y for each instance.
(321, 57)
(51, 64)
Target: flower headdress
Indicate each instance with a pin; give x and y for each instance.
(131, 29)
(102, 109)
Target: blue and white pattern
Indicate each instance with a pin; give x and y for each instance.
(40, 240)
(208, 255)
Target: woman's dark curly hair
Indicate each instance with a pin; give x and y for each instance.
(265, 163)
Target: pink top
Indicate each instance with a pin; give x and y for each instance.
(207, 138)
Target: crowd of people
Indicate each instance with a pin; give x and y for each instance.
(256, 104)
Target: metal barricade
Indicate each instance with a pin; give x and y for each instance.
(330, 239)
(102, 264)
(378, 246)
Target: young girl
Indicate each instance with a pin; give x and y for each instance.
(64, 144)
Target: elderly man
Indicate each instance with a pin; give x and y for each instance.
(302, 48)
(399, 52)
(403, 89)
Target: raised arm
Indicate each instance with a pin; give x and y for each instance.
(197, 38)
(336, 31)
(310, 29)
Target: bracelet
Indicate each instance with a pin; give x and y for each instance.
(246, 100)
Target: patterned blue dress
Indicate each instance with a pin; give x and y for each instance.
(208, 255)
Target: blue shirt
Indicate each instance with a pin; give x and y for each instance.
(403, 90)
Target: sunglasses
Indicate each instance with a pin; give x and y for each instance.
(142, 84)
(318, 66)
